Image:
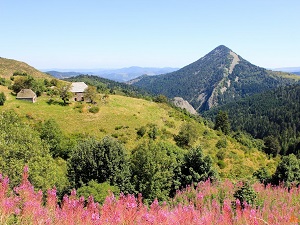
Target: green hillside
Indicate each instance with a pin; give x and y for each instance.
(9, 66)
(121, 117)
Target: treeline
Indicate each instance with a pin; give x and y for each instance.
(154, 168)
(273, 116)
(109, 86)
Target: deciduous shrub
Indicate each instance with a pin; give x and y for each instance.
(94, 109)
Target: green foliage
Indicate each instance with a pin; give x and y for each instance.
(221, 164)
(94, 109)
(273, 113)
(262, 175)
(98, 191)
(22, 83)
(18, 73)
(161, 99)
(153, 131)
(141, 131)
(187, 135)
(52, 135)
(4, 82)
(221, 154)
(20, 145)
(29, 82)
(222, 143)
(155, 168)
(64, 91)
(90, 94)
(288, 171)
(246, 193)
(102, 161)
(272, 145)
(248, 141)
(2, 98)
(196, 167)
(222, 122)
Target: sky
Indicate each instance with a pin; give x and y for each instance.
(90, 34)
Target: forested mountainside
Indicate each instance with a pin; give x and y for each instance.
(273, 116)
(215, 79)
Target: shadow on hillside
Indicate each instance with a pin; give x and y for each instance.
(55, 102)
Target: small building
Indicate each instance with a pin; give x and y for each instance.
(78, 89)
(26, 94)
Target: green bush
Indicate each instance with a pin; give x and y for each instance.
(245, 194)
(141, 131)
(118, 127)
(221, 164)
(2, 98)
(222, 143)
(98, 191)
(220, 155)
(94, 109)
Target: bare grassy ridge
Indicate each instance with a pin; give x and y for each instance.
(9, 66)
(121, 116)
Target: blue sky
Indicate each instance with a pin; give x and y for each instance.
(156, 33)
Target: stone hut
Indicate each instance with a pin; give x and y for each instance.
(78, 89)
(27, 95)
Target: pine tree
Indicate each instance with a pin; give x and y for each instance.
(222, 122)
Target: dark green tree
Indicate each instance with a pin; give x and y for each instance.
(196, 167)
(245, 193)
(187, 135)
(155, 167)
(262, 175)
(102, 161)
(161, 99)
(153, 131)
(287, 171)
(51, 133)
(222, 122)
(272, 145)
(2, 98)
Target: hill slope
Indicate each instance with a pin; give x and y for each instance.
(122, 116)
(272, 113)
(9, 66)
(215, 79)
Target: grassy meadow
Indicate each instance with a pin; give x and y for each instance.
(121, 117)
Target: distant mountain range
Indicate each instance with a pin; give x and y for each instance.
(288, 69)
(219, 77)
(121, 75)
(293, 70)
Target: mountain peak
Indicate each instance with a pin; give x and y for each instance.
(220, 49)
(217, 78)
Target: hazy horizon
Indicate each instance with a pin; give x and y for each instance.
(118, 34)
